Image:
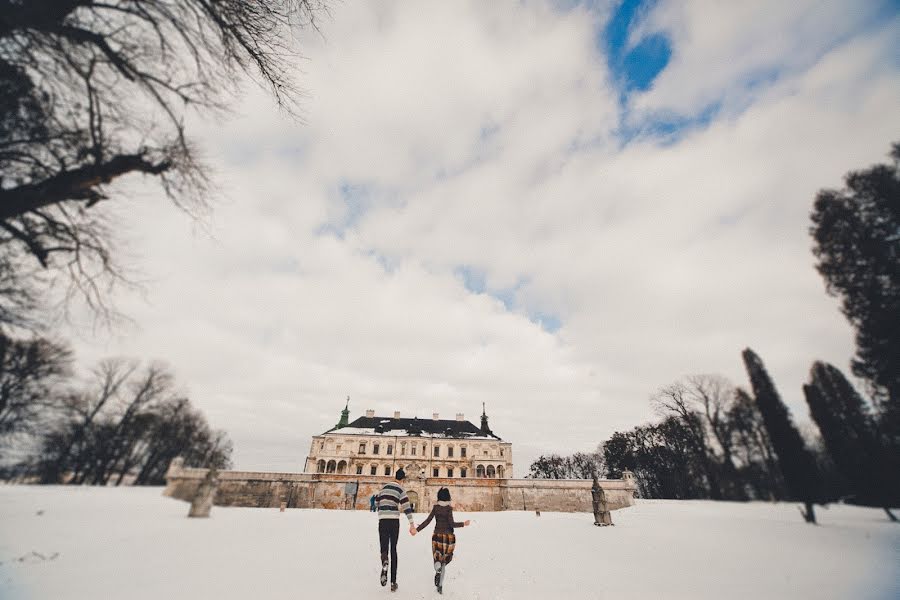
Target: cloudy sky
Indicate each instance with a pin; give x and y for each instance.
(552, 208)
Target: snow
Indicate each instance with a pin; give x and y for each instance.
(392, 433)
(133, 543)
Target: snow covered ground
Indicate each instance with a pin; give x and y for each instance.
(124, 543)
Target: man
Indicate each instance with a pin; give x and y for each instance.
(391, 500)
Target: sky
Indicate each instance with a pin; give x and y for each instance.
(551, 208)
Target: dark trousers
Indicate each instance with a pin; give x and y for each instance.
(388, 534)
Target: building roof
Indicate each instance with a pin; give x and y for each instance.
(405, 427)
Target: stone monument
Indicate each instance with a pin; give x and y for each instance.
(602, 517)
(206, 493)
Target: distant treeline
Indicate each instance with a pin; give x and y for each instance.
(123, 424)
(716, 441)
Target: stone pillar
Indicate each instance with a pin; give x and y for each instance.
(630, 481)
(206, 493)
(602, 517)
(175, 467)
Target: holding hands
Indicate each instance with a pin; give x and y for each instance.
(412, 530)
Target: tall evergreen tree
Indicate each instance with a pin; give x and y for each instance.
(856, 234)
(797, 463)
(851, 438)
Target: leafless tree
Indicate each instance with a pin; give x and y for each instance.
(128, 421)
(702, 403)
(92, 91)
(30, 371)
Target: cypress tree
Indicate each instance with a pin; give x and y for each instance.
(851, 437)
(797, 463)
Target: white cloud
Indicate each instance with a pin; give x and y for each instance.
(484, 136)
(722, 51)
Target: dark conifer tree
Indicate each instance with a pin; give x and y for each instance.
(797, 463)
(857, 244)
(851, 437)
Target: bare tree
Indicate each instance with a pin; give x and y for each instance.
(93, 91)
(30, 370)
(127, 421)
(701, 402)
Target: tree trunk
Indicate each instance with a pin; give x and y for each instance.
(809, 513)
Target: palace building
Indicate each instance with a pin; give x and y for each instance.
(351, 462)
(424, 448)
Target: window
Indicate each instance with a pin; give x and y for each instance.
(437, 450)
(338, 448)
(501, 451)
(375, 448)
(387, 469)
(485, 452)
(373, 470)
(359, 469)
(435, 472)
(462, 452)
(413, 448)
(390, 449)
(362, 448)
(402, 449)
(322, 446)
(462, 472)
(449, 472)
(450, 451)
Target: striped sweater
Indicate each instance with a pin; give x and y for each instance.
(391, 499)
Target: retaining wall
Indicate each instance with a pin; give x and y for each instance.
(320, 490)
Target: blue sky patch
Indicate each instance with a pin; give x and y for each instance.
(357, 199)
(634, 69)
(548, 322)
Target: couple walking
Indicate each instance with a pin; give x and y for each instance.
(390, 501)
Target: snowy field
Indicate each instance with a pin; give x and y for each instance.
(99, 543)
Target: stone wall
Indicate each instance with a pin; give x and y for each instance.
(320, 490)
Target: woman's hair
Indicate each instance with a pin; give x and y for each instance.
(444, 495)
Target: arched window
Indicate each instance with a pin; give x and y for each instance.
(373, 469)
(387, 469)
(321, 466)
(331, 467)
(500, 472)
(342, 467)
(449, 471)
(491, 472)
(479, 471)
(463, 472)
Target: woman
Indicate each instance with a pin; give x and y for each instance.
(443, 540)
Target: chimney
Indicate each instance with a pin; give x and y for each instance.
(435, 416)
(396, 414)
(370, 413)
(460, 417)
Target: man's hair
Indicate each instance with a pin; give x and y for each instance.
(400, 475)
